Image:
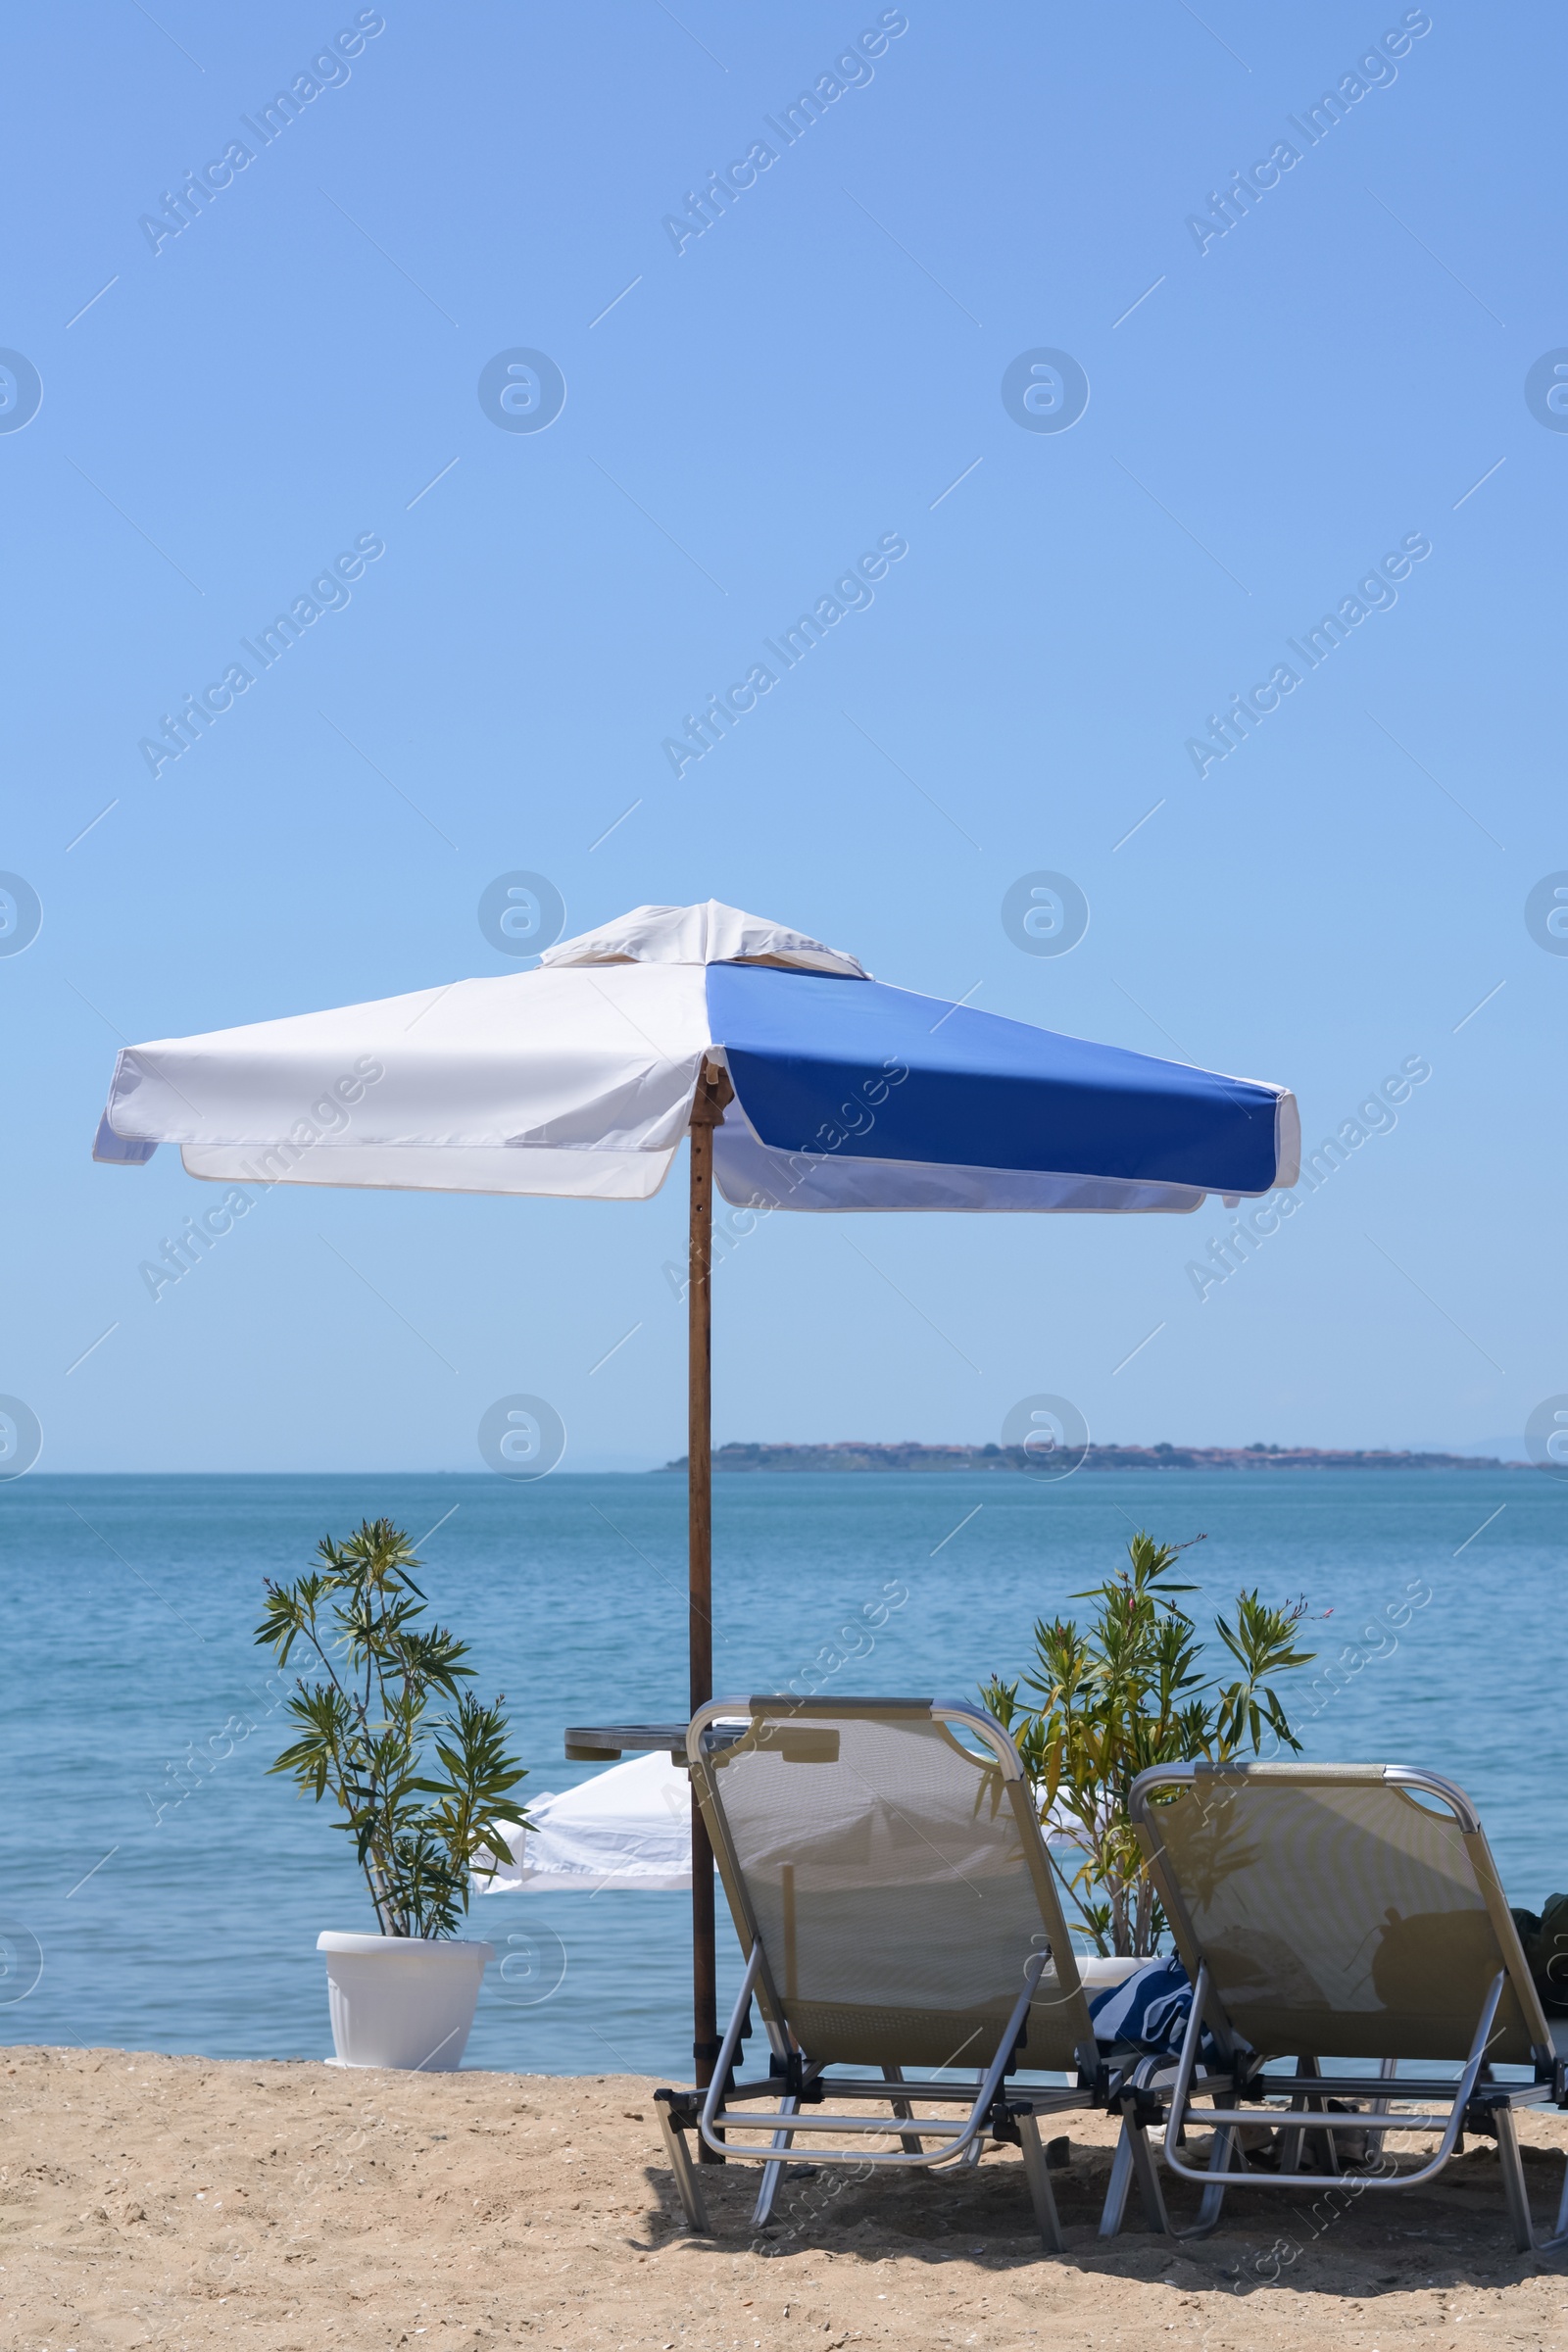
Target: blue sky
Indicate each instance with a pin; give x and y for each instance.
(1272, 411)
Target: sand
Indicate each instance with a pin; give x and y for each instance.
(180, 2201)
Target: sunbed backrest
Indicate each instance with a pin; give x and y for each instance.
(897, 1882)
(1347, 1911)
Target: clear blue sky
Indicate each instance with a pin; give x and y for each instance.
(1289, 401)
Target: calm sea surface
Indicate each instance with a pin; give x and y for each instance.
(129, 1605)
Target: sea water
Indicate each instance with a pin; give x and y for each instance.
(149, 1904)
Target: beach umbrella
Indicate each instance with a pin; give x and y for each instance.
(800, 1082)
(629, 1828)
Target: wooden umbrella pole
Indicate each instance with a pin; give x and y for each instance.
(714, 1091)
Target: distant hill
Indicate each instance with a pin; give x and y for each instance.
(852, 1454)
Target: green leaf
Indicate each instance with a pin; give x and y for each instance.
(1125, 1690)
(422, 1796)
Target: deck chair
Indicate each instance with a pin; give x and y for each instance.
(1343, 1913)
(895, 1902)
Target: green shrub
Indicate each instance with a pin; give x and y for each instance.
(1126, 1692)
(364, 1739)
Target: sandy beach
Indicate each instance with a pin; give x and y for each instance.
(288, 2207)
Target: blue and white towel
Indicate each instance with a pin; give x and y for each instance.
(1149, 2010)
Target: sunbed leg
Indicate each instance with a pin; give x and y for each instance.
(1516, 2190)
(1387, 2072)
(685, 2172)
(1220, 2160)
(1038, 2176)
(1146, 2176)
(773, 2174)
(1292, 2141)
(1115, 2209)
(909, 2141)
(1513, 2181)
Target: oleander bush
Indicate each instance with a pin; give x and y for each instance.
(1127, 1690)
(422, 1795)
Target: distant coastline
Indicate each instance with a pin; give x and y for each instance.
(852, 1454)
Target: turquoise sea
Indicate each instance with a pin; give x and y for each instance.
(133, 1916)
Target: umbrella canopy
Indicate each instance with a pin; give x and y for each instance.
(578, 1078)
(629, 1827)
(802, 1085)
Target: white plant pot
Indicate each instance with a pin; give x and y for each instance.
(402, 2000)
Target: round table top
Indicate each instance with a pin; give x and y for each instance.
(593, 1743)
(601, 1744)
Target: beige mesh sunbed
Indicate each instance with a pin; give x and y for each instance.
(894, 1899)
(1333, 1913)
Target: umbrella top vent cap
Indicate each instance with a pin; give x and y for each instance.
(710, 933)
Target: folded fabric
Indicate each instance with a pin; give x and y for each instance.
(1148, 2011)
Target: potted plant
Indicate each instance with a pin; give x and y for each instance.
(424, 1799)
(1127, 1692)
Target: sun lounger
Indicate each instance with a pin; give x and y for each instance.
(1348, 1918)
(895, 1902)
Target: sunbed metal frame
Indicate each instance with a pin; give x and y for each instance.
(1475, 2101)
(795, 2086)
